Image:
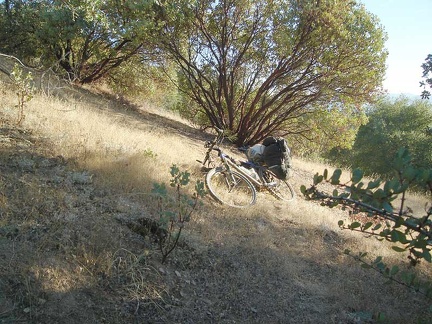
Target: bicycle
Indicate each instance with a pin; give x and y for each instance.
(235, 184)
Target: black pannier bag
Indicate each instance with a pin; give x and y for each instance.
(277, 156)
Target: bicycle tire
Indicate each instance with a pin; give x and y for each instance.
(241, 194)
(281, 189)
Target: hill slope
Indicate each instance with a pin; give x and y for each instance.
(81, 166)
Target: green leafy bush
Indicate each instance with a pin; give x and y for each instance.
(411, 234)
(392, 124)
(23, 85)
(175, 211)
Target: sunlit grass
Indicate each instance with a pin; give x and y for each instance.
(126, 154)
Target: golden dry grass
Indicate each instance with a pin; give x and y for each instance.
(275, 262)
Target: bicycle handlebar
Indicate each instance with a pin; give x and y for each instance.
(213, 145)
(243, 149)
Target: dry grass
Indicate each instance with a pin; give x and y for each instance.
(67, 258)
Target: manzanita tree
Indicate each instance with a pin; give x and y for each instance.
(377, 199)
(256, 67)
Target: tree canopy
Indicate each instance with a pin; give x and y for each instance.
(255, 67)
(427, 76)
(251, 67)
(86, 39)
(392, 125)
(328, 130)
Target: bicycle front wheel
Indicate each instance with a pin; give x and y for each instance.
(230, 188)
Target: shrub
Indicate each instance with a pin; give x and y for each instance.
(23, 84)
(411, 234)
(175, 212)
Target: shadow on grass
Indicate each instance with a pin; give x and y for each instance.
(64, 258)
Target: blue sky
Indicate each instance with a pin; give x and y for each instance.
(408, 24)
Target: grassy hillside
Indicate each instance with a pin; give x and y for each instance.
(81, 162)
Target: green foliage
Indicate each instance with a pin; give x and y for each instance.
(85, 39)
(255, 67)
(427, 76)
(411, 234)
(188, 109)
(391, 125)
(18, 20)
(175, 211)
(394, 273)
(328, 130)
(142, 80)
(149, 153)
(23, 84)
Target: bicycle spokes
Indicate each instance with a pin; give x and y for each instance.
(230, 188)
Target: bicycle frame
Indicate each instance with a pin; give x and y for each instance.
(211, 146)
(232, 170)
(259, 183)
(227, 162)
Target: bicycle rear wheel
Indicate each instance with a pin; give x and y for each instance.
(230, 188)
(281, 189)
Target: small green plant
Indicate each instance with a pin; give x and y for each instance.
(175, 211)
(23, 84)
(149, 153)
(411, 234)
